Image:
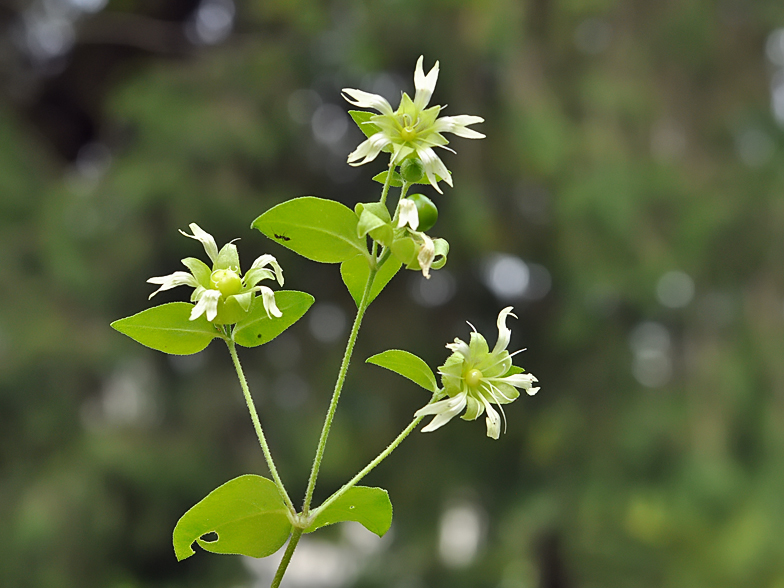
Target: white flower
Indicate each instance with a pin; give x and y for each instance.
(412, 128)
(221, 293)
(474, 378)
(407, 214)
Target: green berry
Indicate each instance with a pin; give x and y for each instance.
(427, 211)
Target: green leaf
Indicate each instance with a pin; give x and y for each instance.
(355, 273)
(395, 182)
(247, 514)
(368, 506)
(407, 365)
(362, 117)
(257, 328)
(319, 229)
(168, 328)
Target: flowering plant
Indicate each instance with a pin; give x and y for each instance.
(254, 515)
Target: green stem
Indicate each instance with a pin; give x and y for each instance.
(352, 338)
(284, 563)
(387, 182)
(254, 416)
(369, 467)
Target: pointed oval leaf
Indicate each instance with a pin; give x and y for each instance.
(247, 514)
(355, 273)
(407, 365)
(370, 507)
(362, 118)
(168, 328)
(321, 230)
(258, 328)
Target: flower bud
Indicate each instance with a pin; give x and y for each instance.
(412, 170)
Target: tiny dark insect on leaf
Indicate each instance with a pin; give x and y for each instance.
(282, 237)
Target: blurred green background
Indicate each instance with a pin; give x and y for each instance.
(628, 202)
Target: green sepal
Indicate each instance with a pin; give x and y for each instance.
(247, 513)
(514, 370)
(318, 229)
(355, 274)
(257, 328)
(362, 118)
(407, 365)
(404, 249)
(369, 507)
(168, 328)
(367, 222)
(228, 258)
(395, 182)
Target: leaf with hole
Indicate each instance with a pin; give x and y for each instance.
(247, 514)
(258, 328)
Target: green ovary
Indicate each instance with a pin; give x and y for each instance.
(473, 377)
(227, 281)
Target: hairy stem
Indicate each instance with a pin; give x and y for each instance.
(284, 563)
(254, 416)
(352, 338)
(369, 467)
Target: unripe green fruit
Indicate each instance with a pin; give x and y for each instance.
(227, 281)
(412, 170)
(427, 211)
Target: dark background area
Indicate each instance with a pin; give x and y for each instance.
(628, 202)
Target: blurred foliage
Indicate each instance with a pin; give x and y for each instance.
(625, 140)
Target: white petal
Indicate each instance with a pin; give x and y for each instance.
(504, 333)
(433, 165)
(458, 126)
(268, 297)
(426, 255)
(367, 100)
(532, 391)
(493, 421)
(172, 281)
(424, 84)
(407, 214)
(369, 149)
(445, 411)
(205, 238)
(265, 260)
(207, 305)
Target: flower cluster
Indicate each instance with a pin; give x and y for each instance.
(474, 378)
(413, 129)
(222, 293)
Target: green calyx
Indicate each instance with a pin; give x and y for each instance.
(412, 170)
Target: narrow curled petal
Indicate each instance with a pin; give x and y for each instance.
(264, 261)
(504, 333)
(205, 238)
(519, 380)
(268, 297)
(426, 255)
(408, 214)
(367, 100)
(369, 149)
(172, 281)
(460, 347)
(458, 125)
(207, 305)
(425, 84)
(445, 411)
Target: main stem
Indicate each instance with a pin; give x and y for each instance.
(352, 338)
(254, 416)
(284, 563)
